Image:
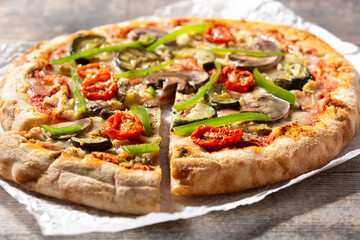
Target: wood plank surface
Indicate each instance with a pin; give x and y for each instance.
(325, 206)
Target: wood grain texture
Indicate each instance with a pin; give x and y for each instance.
(325, 206)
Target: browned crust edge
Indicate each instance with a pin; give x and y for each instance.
(89, 181)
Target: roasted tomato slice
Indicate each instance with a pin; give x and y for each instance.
(186, 64)
(218, 34)
(236, 80)
(215, 139)
(99, 82)
(123, 126)
(91, 69)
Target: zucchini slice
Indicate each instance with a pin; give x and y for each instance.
(218, 97)
(295, 76)
(84, 43)
(199, 112)
(92, 144)
(203, 57)
(129, 59)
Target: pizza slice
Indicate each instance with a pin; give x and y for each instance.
(85, 131)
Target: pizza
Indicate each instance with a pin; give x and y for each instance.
(252, 104)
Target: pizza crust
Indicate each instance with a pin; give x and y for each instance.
(90, 181)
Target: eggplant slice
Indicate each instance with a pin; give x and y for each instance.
(84, 43)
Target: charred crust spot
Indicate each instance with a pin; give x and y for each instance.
(182, 151)
(182, 175)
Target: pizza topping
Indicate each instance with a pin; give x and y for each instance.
(123, 126)
(204, 58)
(143, 72)
(105, 114)
(201, 92)
(185, 64)
(198, 28)
(129, 59)
(221, 52)
(43, 86)
(274, 107)
(218, 34)
(275, 90)
(182, 81)
(143, 115)
(199, 112)
(96, 51)
(100, 84)
(65, 130)
(92, 144)
(152, 91)
(293, 77)
(214, 139)
(187, 129)
(84, 43)
(141, 148)
(80, 106)
(218, 97)
(236, 80)
(262, 63)
(56, 132)
(145, 32)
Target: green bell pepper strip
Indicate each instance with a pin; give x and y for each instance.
(152, 91)
(141, 148)
(143, 115)
(223, 51)
(80, 106)
(185, 130)
(143, 72)
(95, 51)
(272, 88)
(62, 131)
(156, 140)
(201, 92)
(198, 28)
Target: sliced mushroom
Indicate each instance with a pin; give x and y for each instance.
(143, 33)
(182, 81)
(155, 102)
(262, 63)
(85, 123)
(94, 108)
(275, 107)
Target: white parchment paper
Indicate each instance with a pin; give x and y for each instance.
(57, 217)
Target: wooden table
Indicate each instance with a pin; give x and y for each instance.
(325, 206)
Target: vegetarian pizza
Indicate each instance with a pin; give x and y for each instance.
(252, 104)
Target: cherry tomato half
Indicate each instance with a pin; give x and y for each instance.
(102, 85)
(91, 69)
(123, 126)
(218, 34)
(236, 80)
(215, 139)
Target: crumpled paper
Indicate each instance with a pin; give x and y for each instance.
(56, 217)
